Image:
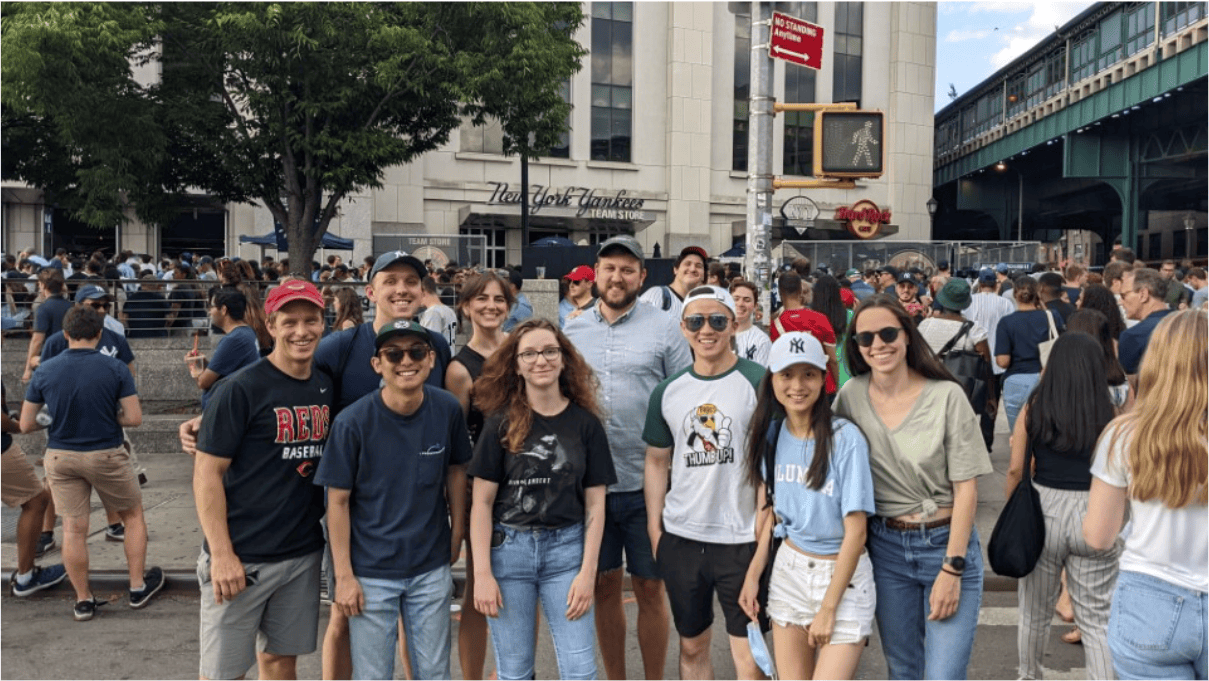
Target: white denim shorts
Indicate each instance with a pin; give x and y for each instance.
(797, 587)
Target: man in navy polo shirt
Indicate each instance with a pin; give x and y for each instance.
(236, 349)
(48, 321)
(395, 471)
(1142, 295)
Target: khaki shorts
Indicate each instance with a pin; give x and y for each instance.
(21, 483)
(278, 614)
(73, 475)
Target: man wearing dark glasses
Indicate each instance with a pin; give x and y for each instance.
(703, 526)
(398, 453)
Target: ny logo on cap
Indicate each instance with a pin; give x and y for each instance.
(796, 345)
(400, 254)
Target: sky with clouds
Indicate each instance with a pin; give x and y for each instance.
(976, 39)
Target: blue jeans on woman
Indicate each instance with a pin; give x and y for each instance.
(905, 565)
(538, 563)
(1157, 630)
(1016, 389)
(423, 602)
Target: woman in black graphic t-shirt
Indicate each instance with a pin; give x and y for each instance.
(541, 466)
(484, 301)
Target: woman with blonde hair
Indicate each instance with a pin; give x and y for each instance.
(1153, 459)
(541, 468)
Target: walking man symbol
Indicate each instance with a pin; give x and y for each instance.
(862, 139)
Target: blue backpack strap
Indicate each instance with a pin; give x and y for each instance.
(770, 459)
(667, 298)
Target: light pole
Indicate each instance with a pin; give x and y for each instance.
(1189, 235)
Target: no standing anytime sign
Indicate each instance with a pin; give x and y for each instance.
(796, 41)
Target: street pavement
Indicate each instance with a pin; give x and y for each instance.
(161, 641)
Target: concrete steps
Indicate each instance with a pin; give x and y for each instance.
(158, 434)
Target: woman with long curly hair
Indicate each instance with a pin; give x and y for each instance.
(1097, 297)
(1153, 460)
(926, 453)
(541, 468)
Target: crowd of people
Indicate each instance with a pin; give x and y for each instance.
(812, 474)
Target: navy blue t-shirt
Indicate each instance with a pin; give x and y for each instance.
(273, 428)
(81, 389)
(235, 351)
(356, 378)
(396, 467)
(111, 345)
(1132, 344)
(51, 312)
(1019, 334)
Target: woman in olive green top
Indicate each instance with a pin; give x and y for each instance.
(925, 453)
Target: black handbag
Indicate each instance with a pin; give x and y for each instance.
(1019, 534)
(969, 368)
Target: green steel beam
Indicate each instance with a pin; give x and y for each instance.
(1167, 75)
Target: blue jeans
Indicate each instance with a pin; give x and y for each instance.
(423, 602)
(625, 529)
(534, 563)
(905, 564)
(1016, 389)
(1157, 630)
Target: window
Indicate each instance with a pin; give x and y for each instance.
(739, 127)
(1154, 246)
(1111, 49)
(484, 139)
(1180, 15)
(497, 251)
(563, 148)
(1082, 58)
(849, 29)
(1015, 95)
(612, 80)
(1139, 27)
(799, 89)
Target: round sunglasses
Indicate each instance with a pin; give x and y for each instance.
(888, 335)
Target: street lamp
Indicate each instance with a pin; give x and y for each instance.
(1189, 235)
(932, 205)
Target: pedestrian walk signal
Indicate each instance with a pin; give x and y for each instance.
(849, 144)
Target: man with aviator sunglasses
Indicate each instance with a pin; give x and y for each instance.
(399, 452)
(703, 526)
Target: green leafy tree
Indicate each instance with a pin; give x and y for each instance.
(292, 105)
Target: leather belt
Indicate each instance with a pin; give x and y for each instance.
(896, 524)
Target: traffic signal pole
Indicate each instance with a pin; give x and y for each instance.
(758, 261)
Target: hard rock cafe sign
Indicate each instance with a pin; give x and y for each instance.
(864, 219)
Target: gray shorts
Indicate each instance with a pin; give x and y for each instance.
(279, 615)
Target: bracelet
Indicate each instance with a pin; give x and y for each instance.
(950, 572)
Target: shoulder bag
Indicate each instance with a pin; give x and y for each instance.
(1019, 534)
(968, 367)
(1045, 346)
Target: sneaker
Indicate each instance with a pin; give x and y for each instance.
(46, 542)
(84, 610)
(43, 578)
(153, 581)
(115, 532)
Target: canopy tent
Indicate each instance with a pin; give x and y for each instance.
(278, 241)
(553, 241)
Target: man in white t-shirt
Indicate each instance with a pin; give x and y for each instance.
(985, 310)
(438, 316)
(703, 526)
(689, 272)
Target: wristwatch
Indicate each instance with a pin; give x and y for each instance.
(958, 563)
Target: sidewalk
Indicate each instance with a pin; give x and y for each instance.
(175, 538)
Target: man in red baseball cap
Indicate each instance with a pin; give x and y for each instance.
(579, 294)
(262, 435)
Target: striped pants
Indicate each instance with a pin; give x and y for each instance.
(1091, 577)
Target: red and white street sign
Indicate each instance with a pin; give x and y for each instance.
(796, 41)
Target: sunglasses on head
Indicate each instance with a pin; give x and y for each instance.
(717, 321)
(395, 355)
(888, 335)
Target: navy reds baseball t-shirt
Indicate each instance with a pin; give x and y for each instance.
(273, 427)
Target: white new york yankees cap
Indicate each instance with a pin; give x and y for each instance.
(796, 347)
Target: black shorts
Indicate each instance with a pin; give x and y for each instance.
(693, 570)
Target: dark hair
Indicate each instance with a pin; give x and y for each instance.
(828, 302)
(1095, 324)
(749, 285)
(428, 284)
(1098, 297)
(231, 298)
(350, 307)
(1024, 290)
(768, 409)
(920, 356)
(1051, 284)
(789, 283)
(83, 323)
(500, 387)
(1071, 405)
(1123, 254)
(475, 285)
(52, 279)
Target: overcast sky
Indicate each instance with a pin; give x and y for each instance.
(976, 39)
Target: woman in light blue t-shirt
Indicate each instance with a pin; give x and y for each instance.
(814, 471)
